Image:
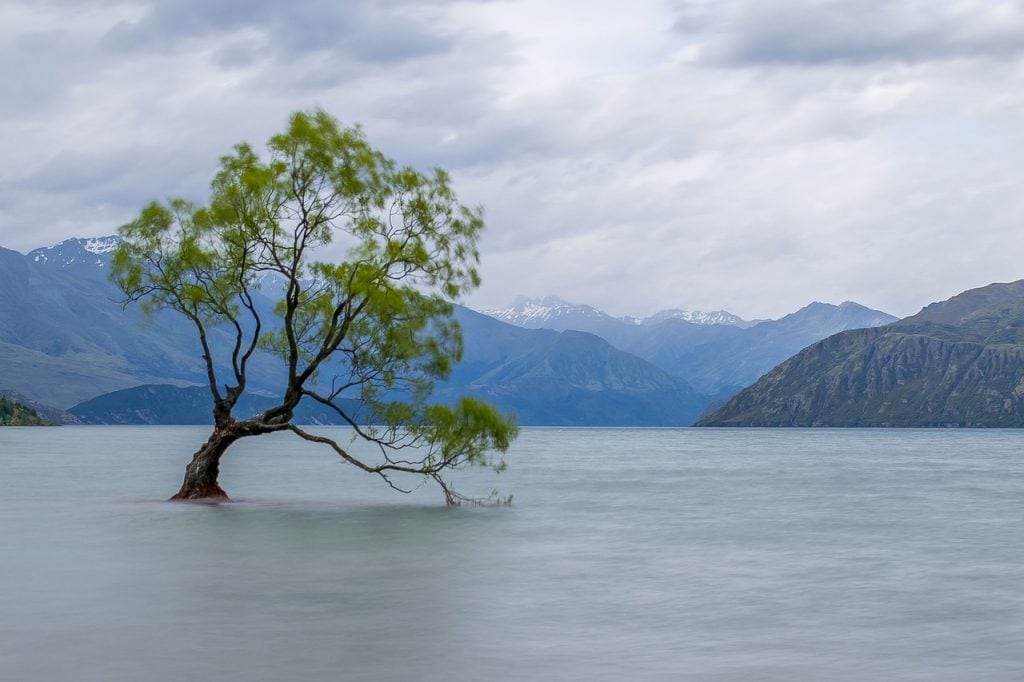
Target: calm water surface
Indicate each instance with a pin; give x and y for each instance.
(628, 554)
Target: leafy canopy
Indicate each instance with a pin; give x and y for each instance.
(374, 325)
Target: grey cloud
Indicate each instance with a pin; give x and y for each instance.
(695, 17)
(123, 179)
(83, 194)
(665, 184)
(237, 55)
(808, 32)
(36, 68)
(94, 130)
(375, 32)
(487, 143)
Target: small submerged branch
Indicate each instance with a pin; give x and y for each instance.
(455, 499)
(423, 468)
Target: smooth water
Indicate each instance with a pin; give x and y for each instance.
(673, 554)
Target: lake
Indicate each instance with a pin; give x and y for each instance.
(628, 554)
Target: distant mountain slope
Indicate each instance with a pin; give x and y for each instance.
(719, 355)
(166, 405)
(84, 256)
(157, 404)
(956, 363)
(737, 360)
(570, 378)
(65, 337)
(545, 377)
(551, 312)
(50, 414)
(697, 317)
(16, 414)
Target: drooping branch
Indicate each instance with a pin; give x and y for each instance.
(380, 319)
(433, 470)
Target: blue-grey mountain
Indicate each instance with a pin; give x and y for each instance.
(545, 377)
(956, 363)
(717, 354)
(66, 341)
(552, 312)
(567, 378)
(64, 336)
(166, 405)
(49, 413)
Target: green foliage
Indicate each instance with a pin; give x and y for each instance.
(16, 414)
(373, 322)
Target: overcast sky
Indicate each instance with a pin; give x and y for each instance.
(701, 154)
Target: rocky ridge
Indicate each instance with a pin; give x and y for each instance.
(958, 363)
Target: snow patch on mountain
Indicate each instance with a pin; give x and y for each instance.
(695, 317)
(101, 244)
(90, 251)
(536, 312)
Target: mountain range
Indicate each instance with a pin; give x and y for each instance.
(566, 378)
(552, 312)
(956, 363)
(67, 341)
(65, 337)
(545, 377)
(717, 358)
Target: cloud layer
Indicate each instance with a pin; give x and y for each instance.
(751, 156)
(812, 32)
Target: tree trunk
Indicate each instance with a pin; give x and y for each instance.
(200, 482)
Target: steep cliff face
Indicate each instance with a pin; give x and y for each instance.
(956, 363)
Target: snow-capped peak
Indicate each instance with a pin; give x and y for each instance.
(101, 244)
(90, 252)
(541, 312)
(556, 313)
(695, 317)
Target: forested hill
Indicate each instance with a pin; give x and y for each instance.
(956, 363)
(16, 414)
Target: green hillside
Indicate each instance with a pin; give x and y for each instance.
(16, 414)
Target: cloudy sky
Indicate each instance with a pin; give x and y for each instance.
(747, 155)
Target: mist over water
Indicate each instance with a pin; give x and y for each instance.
(627, 554)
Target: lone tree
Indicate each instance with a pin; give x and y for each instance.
(374, 329)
